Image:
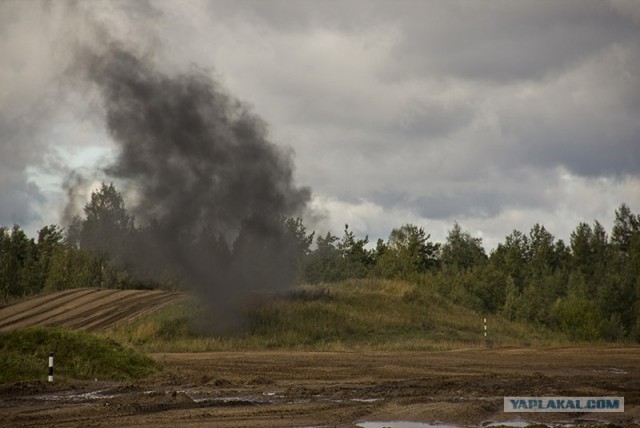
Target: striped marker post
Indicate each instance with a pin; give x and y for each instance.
(485, 327)
(51, 367)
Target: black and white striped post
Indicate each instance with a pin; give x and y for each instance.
(51, 367)
(485, 327)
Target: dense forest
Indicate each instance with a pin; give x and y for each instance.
(588, 288)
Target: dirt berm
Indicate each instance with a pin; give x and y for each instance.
(88, 309)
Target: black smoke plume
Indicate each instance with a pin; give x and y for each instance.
(208, 185)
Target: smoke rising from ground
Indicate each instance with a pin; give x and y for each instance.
(199, 159)
(211, 187)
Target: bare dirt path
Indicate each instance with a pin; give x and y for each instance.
(89, 309)
(265, 389)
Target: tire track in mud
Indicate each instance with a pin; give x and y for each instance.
(88, 309)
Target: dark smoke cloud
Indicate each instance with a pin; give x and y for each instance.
(204, 176)
(198, 157)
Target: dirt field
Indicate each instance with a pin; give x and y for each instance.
(265, 389)
(89, 309)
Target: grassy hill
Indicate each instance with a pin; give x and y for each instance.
(78, 355)
(368, 314)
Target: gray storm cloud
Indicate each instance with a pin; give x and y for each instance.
(441, 110)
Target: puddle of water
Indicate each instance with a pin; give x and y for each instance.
(559, 424)
(400, 424)
(230, 400)
(85, 396)
(511, 424)
(612, 370)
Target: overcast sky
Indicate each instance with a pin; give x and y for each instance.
(494, 114)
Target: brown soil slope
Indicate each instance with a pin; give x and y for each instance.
(88, 309)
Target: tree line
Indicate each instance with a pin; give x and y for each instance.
(588, 288)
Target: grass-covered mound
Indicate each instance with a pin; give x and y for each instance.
(77, 354)
(368, 314)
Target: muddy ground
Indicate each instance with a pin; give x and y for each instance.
(267, 389)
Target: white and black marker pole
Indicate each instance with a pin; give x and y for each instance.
(485, 327)
(51, 367)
